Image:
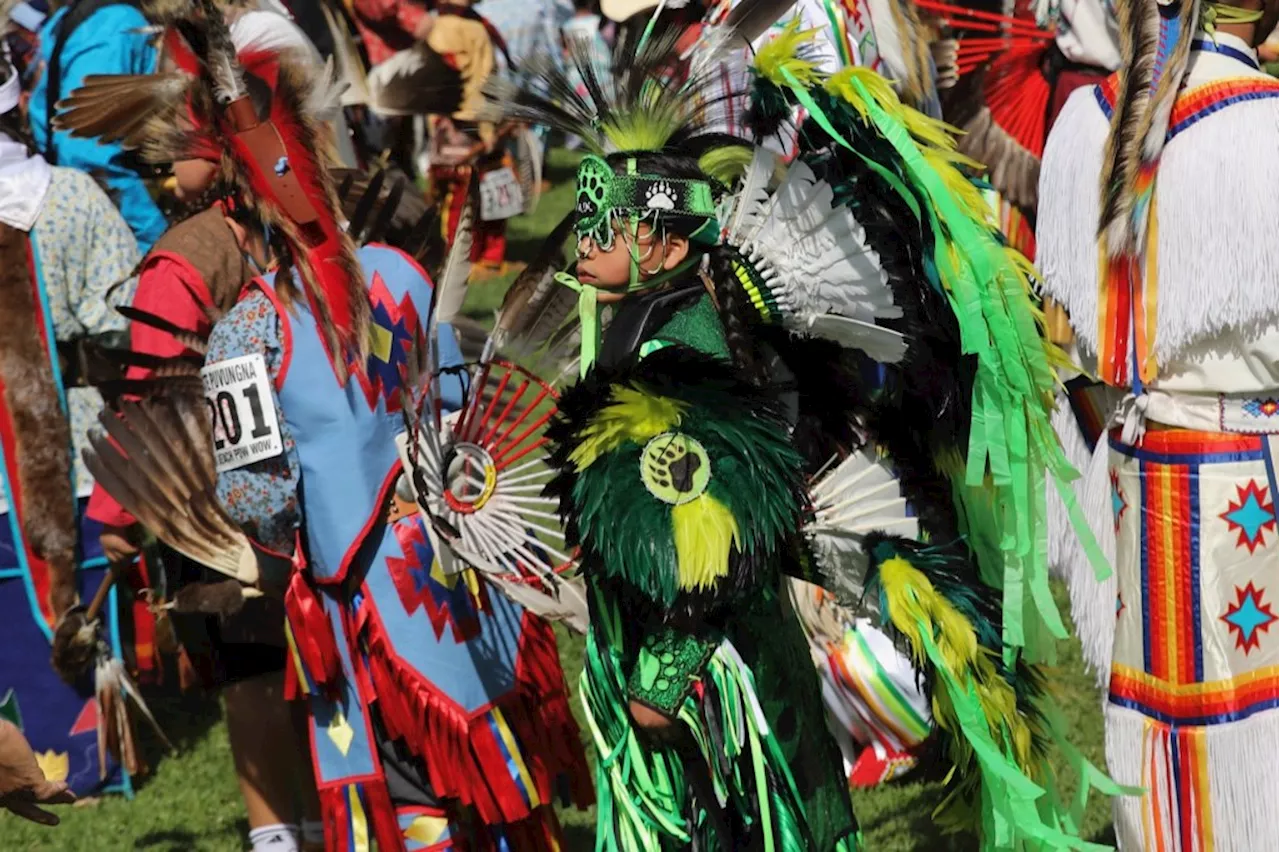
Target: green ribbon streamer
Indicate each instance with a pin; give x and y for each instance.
(1098, 561)
(589, 305)
(1006, 389)
(588, 317)
(815, 112)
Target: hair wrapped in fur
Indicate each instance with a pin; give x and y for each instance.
(1155, 47)
(40, 427)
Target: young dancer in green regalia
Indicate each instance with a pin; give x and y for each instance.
(720, 440)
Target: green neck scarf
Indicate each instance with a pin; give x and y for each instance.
(589, 307)
(1212, 14)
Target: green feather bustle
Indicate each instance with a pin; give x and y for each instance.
(998, 481)
(755, 474)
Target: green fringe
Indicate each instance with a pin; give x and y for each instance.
(644, 800)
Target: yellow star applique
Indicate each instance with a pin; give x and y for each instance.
(54, 764)
(340, 732)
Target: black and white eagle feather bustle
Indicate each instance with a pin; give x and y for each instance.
(814, 257)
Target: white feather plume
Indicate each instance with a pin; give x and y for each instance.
(858, 496)
(814, 258)
(452, 281)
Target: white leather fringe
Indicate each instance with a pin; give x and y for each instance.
(1240, 777)
(1216, 207)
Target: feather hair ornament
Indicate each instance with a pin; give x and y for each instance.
(535, 307)
(275, 158)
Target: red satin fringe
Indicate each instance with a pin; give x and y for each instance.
(313, 637)
(147, 664)
(540, 832)
(464, 759)
(379, 814)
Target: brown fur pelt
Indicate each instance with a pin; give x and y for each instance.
(1015, 171)
(40, 427)
(919, 84)
(75, 645)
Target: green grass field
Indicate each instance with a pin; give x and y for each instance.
(191, 801)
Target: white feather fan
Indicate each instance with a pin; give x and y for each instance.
(858, 496)
(814, 258)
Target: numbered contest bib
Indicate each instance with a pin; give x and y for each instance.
(500, 195)
(237, 393)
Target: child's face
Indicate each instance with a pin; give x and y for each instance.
(610, 270)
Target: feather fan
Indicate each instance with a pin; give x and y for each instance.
(477, 476)
(535, 306)
(350, 65)
(814, 259)
(143, 112)
(190, 339)
(417, 82)
(156, 459)
(529, 154)
(451, 283)
(855, 498)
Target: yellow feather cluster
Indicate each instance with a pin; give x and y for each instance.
(631, 415)
(646, 124)
(781, 53)
(914, 605)
(727, 164)
(705, 531)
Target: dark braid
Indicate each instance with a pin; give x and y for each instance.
(736, 316)
(13, 125)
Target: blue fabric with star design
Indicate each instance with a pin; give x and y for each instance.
(338, 440)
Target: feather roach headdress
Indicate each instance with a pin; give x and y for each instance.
(654, 99)
(271, 156)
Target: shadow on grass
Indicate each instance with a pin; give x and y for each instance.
(180, 840)
(185, 717)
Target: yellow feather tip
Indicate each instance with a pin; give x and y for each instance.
(913, 605)
(631, 415)
(705, 531)
(781, 53)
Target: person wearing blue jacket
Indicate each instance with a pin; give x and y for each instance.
(111, 39)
